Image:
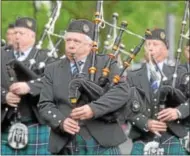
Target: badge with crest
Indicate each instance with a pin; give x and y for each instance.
(29, 23)
(86, 28)
(162, 35)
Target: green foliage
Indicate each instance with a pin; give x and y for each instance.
(140, 15)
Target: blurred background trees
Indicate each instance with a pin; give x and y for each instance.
(140, 15)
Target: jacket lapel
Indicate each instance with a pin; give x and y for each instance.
(10, 55)
(66, 75)
(144, 82)
(168, 72)
(31, 55)
(63, 77)
(87, 65)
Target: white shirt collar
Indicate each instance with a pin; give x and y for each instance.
(81, 67)
(25, 54)
(160, 66)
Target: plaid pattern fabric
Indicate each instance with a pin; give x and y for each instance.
(89, 147)
(37, 144)
(185, 142)
(171, 146)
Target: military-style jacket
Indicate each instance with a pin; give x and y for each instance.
(139, 79)
(30, 100)
(54, 105)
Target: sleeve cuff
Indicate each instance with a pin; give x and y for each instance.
(96, 115)
(183, 110)
(61, 126)
(35, 86)
(3, 96)
(141, 122)
(179, 114)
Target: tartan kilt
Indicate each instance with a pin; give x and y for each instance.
(171, 146)
(90, 147)
(38, 138)
(185, 142)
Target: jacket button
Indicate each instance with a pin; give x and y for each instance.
(32, 81)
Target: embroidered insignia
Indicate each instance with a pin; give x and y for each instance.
(86, 28)
(29, 23)
(162, 35)
(135, 106)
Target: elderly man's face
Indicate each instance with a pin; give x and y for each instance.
(10, 36)
(24, 38)
(157, 49)
(187, 52)
(77, 44)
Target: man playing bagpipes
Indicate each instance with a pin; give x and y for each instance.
(78, 130)
(157, 129)
(23, 129)
(155, 109)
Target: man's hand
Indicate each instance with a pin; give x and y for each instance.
(156, 126)
(70, 126)
(82, 113)
(12, 99)
(168, 114)
(20, 88)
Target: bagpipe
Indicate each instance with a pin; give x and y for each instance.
(22, 72)
(18, 132)
(167, 96)
(84, 88)
(17, 71)
(48, 30)
(180, 42)
(171, 96)
(180, 94)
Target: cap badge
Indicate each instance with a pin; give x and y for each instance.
(29, 23)
(86, 28)
(162, 35)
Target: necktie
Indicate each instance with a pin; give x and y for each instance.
(18, 54)
(74, 67)
(154, 83)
